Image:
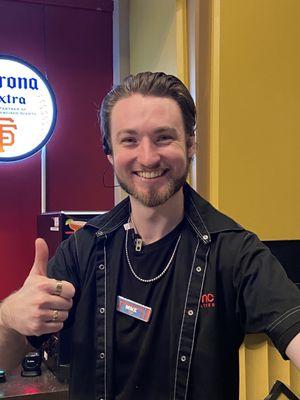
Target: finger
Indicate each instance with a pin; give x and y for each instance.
(58, 303)
(66, 290)
(41, 258)
(50, 327)
(55, 316)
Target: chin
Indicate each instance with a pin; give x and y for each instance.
(154, 198)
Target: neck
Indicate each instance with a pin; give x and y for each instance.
(153, 223)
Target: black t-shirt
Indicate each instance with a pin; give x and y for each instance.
(136, 359)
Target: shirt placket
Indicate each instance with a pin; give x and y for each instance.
(189, 320)
(101, 356)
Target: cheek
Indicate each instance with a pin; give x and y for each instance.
(177, 161)
(178, 155)
(121, 161)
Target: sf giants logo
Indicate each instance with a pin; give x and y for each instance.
(7, 137)
(207, 300)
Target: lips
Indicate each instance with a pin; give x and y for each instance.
(150, 174)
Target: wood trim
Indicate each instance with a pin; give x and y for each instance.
(215, 104)
(182, 42)
(203, 40)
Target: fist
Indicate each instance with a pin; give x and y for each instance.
(42, 304)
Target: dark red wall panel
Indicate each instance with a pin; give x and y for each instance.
(80, 77)
(19, 205)
(73, 46)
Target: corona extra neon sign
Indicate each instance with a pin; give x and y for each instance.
(27, 109)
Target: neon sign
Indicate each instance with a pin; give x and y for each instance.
(27, 109)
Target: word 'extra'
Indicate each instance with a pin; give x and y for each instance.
(12, 99)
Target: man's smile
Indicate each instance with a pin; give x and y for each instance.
(150, 174)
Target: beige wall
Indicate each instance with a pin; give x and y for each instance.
(153, 36)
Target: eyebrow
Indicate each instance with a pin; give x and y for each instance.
(165, 129)
(125, 131)
(160, 129)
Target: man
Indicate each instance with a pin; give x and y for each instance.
(161, 290)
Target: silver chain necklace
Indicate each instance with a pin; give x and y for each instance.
(156, 278)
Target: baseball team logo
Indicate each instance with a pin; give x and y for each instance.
(27, 109)
(7, 136)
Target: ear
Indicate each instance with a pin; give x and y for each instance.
(191, 146)
(110, 159)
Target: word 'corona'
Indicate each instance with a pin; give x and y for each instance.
(18, 82)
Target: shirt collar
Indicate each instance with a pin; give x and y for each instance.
(204, 219)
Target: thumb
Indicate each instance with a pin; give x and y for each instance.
(41, 258)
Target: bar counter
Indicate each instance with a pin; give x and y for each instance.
(44, 387)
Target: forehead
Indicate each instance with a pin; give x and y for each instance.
(149, 112)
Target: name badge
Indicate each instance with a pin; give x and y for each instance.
(133, 309)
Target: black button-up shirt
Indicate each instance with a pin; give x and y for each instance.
(234, 286)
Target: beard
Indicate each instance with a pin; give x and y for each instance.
(155, 198)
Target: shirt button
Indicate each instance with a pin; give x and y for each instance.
(198, 269)
(190, 312)
(101, 266)
(102, 310)
(183, 358)
(101, 355)
(205, 237)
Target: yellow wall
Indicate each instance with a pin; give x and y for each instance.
(259, 115)
(153, 36)
(251, 62)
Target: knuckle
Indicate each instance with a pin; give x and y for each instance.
(37, 313)
(40, 301)
(36, 327)
(42, 285)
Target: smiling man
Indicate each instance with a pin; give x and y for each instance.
(151, 152)
(161, 290)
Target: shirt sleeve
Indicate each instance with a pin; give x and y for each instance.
(268, 301)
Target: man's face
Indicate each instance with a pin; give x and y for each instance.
(149, 151)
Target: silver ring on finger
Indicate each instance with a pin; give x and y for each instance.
(58, 288)
(54, 316)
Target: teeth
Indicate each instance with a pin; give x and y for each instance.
(150, 175)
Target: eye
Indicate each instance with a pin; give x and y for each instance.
(128, 141)
(164, 139)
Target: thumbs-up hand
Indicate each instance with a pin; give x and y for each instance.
(42, 304)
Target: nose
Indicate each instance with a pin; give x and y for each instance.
(148, 153)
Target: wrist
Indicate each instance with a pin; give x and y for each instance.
(4, 315)
(1, 312)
